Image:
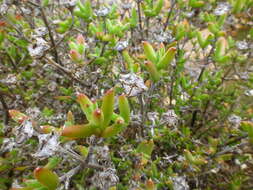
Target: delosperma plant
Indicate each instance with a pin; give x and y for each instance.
(126, 94)
(99, 119)
(45, 178)
(102, 122)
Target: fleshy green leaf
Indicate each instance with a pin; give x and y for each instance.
(149, 52)
(107, 107)
(158, 7)
(47, 177)
(113, 130)
(17, 116)
(52, 163)
(134, 18)
(146, 147)
(152, 71)
(98, 117)
(86, 105)
(77, 131)
(124, 108)
(167, 58)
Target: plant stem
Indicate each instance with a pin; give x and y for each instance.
(66, 33)
(142, 111)
(147, 25)
(230, 149)
(140, 20)
(169, 15)
(67, 72)
(6, 110)
(194, 114)
(173, 77)
(44, 18)
(209, 101)
(12, 62)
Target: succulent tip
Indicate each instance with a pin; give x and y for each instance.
(98, 112)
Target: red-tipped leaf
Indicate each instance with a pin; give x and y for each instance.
(46, 177)
(77, 131)
(98, 117)
(113, 130)
(86, 105)
(17, 116)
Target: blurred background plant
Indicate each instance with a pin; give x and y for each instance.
(184, 67)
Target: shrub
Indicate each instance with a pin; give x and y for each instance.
(183, 67)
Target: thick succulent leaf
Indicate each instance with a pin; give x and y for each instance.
(220, 48)
(86, 105)
(52, 163)
(151, 67)
(149, 52)
(124, 108)
(98, 117)
(47, 177)
(33, 184)
(113, 130)
(17, 116)
(70, 119)
(134, 18)
(146, 147)
(77, 131)
(75, 55)
(167, 58)
(248, 127)
(84, 151)
(107, 107)
(201, 40)
(158, 7)
(196, 3)
(238, 5)
(48, 129)
(193, 159)
(128, 60)
(150, 185)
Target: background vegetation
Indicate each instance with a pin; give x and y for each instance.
(131, 94)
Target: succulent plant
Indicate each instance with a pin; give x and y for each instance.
(158, 61)
(185, 64)
(102, 122)
(45, 178)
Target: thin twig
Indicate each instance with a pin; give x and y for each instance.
(44, 18)
(234, 140)
(209, 101)
(67, 72)
(12, 62)
(143, 115)
(147, 25)
(169, 15)
(80, 159)
(173, 78)
(140, 20)
(6, 110)
(194, 114)
(66, 33)
(229, 149)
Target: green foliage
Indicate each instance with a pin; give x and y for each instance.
(100, 118)
(184, 68)
(158, 61)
